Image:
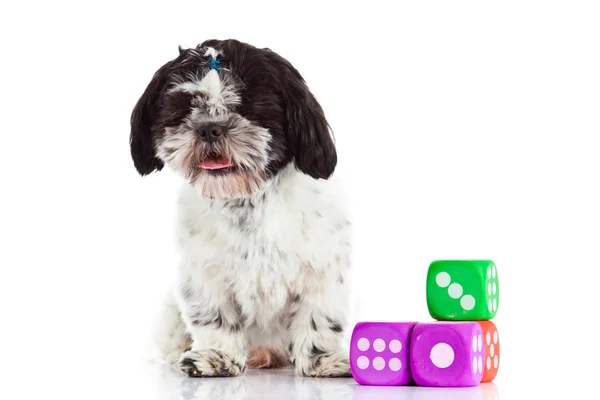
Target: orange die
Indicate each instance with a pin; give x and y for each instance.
(492, 350)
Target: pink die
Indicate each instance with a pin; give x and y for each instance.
(379, 353)
(447, 354)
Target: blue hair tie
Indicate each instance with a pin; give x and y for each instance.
(215, 64)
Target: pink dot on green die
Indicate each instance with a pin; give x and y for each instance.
(395, 346)
(362, 362)
(363, 344)
(378, 363)
(395, 364)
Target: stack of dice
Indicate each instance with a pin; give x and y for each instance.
(460, 348)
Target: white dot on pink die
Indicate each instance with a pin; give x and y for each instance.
(362, 362)
(395, 346)
(442, 355)
(363, 344)
(395, 364)
(379, 345)
(378, 363)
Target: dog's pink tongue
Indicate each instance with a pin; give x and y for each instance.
(211, 163)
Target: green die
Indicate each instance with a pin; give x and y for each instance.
(462, 290)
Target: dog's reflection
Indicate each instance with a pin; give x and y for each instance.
(263, 385)
(283, 384)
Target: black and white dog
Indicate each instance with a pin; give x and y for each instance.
(265, 242)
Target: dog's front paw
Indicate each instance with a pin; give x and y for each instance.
(209, 363)
(332, 365)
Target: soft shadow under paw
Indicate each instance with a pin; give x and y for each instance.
(208, 363)
(329, 366)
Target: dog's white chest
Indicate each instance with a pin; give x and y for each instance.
(264, 250)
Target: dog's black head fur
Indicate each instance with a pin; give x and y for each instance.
(268, 116)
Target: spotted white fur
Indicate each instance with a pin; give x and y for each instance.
(246, 145)
(265, 244)
(211, 52)
(271, 269)
(217, 93)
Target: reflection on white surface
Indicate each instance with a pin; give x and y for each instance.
(487, 391)
(283, 384)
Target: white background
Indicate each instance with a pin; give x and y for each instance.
(464, 130)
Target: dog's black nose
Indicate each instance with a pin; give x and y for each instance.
(211, 133)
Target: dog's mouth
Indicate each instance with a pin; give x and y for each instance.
(216, 162)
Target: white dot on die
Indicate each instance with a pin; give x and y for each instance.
(494, 288)
(378, 363)
(474, 365)
(492, 350)
(490, 304)
(480, 342)
(496, 361)
(480, 364)
(467, 302)
(495, 336)
(494, 305)
(395, 364)
(362, 362)
(455, 290)
(379, 345)
(494, 272)
(395, 346)
(489, 363)
(363, 344)
(488, 339)
(442, 355)
(442, 279)
(475, 344)
(489, 289)
(489, 272)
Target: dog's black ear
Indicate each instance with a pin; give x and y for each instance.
(307, 128)
(143, 120)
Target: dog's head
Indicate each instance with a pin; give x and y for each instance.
(228, 117)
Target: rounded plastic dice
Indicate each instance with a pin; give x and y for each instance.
(379, 353)
(463, 290)
(447, 354)
(491, 360)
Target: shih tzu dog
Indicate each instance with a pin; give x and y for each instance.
(265, 241)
